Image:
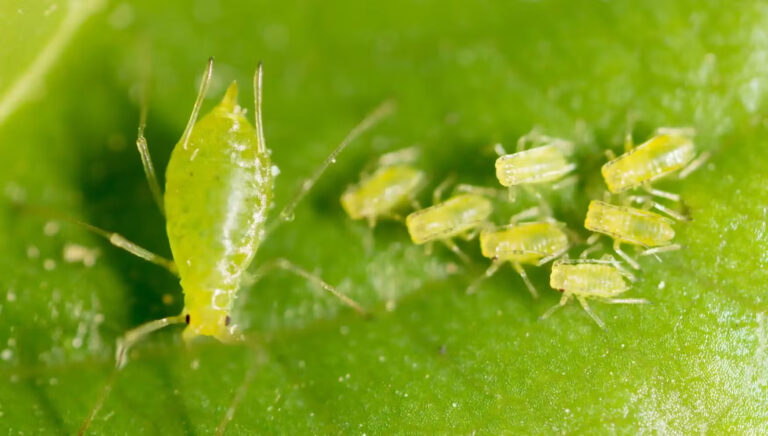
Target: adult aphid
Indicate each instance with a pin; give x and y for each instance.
(218, 194)
(631, 226)
(530, 243)
(588, 278)
(670, 150)
(391, 187)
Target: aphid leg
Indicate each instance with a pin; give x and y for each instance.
(455, 248)
(119, 241)
(414, 203)
(258, 87)
(520, 270)
(610, 155)
(291, 267)
(131, 337)
(511, 194)
(204, 84)
(563, 301)
(543, 206)
(499, 149)
(552, 256)
(479, 190)
(653, 251)
(626, 301)
(146, 159)
(382, 111)
(531, 212)
(593, 238)
(437, 195)
(611, 260)
(625, 256)
(488, 273)
(660, 193)
(589, 311)
(371, 221)
(694, 165)
(595, 246)
(629, 143)
(470, 235)
(567, 181)
(670, 212)
(428, 247)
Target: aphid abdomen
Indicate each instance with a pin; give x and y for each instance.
(629, 224)
(449, 218)
(218, 192)
(537, 165)
(386, 190)
(587, 278)
(655, 158)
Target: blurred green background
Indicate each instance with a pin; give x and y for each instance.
(430, 359)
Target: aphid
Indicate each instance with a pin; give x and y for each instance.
(533, 243)
(218, 194)
(631, 226)
(461, 215)
(672, 149)
(588, 278)
(546, 162)
(381, 194)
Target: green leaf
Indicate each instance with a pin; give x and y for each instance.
(430, 359)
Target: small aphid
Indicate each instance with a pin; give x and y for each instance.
(672, 149)
(588, 278)
(461, 215)
(545, 162)
(631, 226)
(218, 194)
(534, 243)
(382, 194)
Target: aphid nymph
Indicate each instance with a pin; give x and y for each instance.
(631, 226)
(532, 243)
(390, 188)
(670, 150)
(461, 215)
(584, 279)
(539, 159)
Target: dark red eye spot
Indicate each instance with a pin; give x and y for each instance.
(227, 320)
(186, 319)
(561, 290)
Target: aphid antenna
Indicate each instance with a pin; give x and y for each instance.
(258, 81)
(655, 250)
(437, 194)
(591, 249)
(402, 156)
(670, 212)
(205, 83)
(552, 256)
(379, 113)
(525, 214)
(694, 165)
(499, 149)
(143, 147)
(659, 193)
(626, 301)
(682, 131)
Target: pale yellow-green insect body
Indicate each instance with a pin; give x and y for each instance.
(532, 243)
(632, 226)
(383, 193)
(543, 164)
(453, 217)
(661, 155)
(590, 279)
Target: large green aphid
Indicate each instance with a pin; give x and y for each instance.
(217, 197)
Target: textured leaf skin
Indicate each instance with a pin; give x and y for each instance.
(441, 361)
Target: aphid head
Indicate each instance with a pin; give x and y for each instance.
(209, 321)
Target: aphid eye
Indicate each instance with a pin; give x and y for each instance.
(186, 319)
(227, 320)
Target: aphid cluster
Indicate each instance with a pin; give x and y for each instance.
(218, 195)
(532, 236)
